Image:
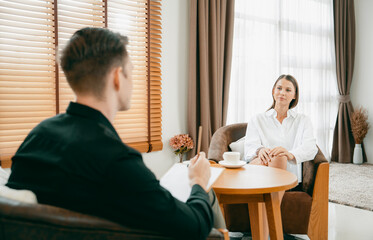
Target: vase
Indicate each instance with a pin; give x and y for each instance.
(358, 154)
(181, 158)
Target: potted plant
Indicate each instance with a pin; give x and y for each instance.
(181, 144)
(359, 126)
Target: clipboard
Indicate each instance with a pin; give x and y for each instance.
(176, 180)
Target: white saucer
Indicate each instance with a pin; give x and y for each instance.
(230, 165)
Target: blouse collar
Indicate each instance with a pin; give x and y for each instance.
(272, 113)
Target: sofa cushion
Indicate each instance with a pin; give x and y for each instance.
(19, 195)
(238, 146)
(4, 175)
(223, 137)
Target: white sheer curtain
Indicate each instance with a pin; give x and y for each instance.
(274, 37)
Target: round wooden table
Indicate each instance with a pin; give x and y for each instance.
(256, 185)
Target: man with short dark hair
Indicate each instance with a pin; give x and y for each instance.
(77, 161)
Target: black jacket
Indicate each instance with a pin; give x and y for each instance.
(77, 161)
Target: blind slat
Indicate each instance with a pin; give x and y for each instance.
(26, 49)
(31, 32)
(24, 73)
(26, 67)
(42, 61)
(43, 7)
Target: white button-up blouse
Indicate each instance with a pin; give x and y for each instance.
(295, 134)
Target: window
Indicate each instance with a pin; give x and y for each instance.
(33, 86)
(285, 37)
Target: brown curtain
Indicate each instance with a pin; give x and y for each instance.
(344, 32)
(211, 38)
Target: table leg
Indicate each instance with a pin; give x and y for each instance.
(221, 205)
(256, 220)
(272, 202)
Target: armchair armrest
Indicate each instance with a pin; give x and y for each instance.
(310, 169)
(321, 189)
(218, 234)
(318, 224)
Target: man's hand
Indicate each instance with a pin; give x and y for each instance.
(280, 151)
(199, 171)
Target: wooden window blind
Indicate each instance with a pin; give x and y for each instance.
(73, 15)
(134, 125)
(27, 53)
(32, 85)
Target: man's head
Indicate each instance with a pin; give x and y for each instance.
(90, 56)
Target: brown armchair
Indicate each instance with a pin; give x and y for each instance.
(304, 210)
(38, 221)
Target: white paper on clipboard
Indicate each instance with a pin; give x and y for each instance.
(176, 180)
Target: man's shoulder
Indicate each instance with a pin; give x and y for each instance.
(57, 119)
(76, 127)
(87, 134)
(48, 124)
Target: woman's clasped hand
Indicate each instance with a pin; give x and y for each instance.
(266, 154)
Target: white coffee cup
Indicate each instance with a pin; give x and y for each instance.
(232, 157)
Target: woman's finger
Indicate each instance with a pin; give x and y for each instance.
(267, 157)
(262, 158)
(278, 151)
(272, 151)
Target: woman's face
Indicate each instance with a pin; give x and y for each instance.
(283, 93)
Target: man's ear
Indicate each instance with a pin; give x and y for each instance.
(117, 72)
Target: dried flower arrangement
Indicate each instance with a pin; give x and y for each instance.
(181, 143)
(359, 124)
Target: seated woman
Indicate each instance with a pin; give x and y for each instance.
(280, 137)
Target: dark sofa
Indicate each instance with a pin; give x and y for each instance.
(38, 221)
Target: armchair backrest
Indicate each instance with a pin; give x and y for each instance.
(226, 135)
(223, 137)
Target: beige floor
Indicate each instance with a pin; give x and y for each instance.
(348, 223)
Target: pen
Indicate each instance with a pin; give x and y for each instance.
(199, 142)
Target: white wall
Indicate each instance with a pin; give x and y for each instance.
(175, 38)
(362, 82)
